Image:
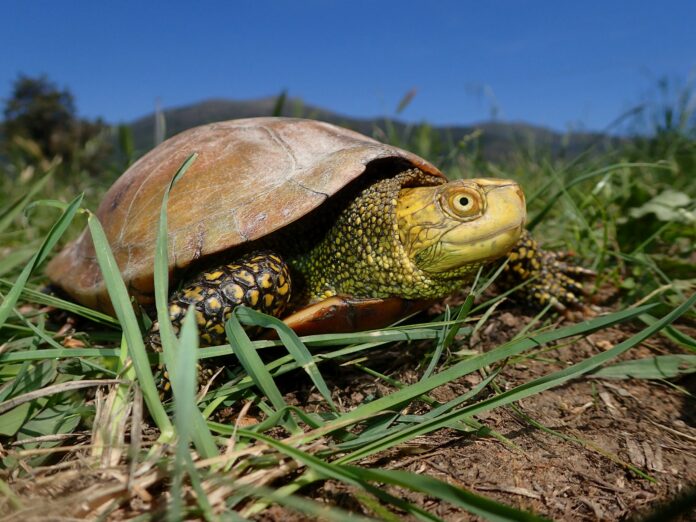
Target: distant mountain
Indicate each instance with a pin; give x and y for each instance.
(497, 139)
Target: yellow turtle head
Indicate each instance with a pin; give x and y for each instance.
(461, 223)
(414, 237)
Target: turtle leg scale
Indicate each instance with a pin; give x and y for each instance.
(259, 280)
(551, 279)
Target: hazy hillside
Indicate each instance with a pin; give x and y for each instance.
(497, 139)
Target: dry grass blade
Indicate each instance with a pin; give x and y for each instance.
(52, 390)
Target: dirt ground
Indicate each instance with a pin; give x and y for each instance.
(607, 424)
(648, 424)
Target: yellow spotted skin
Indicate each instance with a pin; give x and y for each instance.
(259, 280)
(362, 254)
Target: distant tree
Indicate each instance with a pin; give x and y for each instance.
(40, 113)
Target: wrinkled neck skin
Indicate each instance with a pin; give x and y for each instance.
(362, 255)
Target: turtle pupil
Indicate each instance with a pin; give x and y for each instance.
(463, 201)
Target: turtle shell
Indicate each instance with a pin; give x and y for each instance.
(252, 177)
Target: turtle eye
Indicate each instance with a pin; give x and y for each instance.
(462, 203)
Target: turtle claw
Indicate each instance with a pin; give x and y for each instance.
(576, 311)
(550, 278)
(570, 269)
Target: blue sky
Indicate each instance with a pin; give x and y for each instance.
(559, 64)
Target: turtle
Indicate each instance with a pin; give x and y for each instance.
(313, 223)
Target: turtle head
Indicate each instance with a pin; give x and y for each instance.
(459, 224)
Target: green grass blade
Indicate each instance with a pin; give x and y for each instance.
(161, 272)
(382, 427)
(418, 333)
(672, 334)
(12, 498)
(177, 350)
(303, 506)
(183, 383)
(51, 300)
(324, 469)
(63, 353)
(451, 404)
(201, 496)
(370, 339)
(39, 332)
(659, 367)
(254, 366)
(476, 504)
(49, 242)
(8, 214)
(126, 316)
(187, 362)
(448, 334)
(293, 344)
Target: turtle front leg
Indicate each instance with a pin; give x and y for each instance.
(260, 280)
(551, 280)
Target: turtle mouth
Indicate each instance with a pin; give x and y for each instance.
(476, 251)
(489, 239)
